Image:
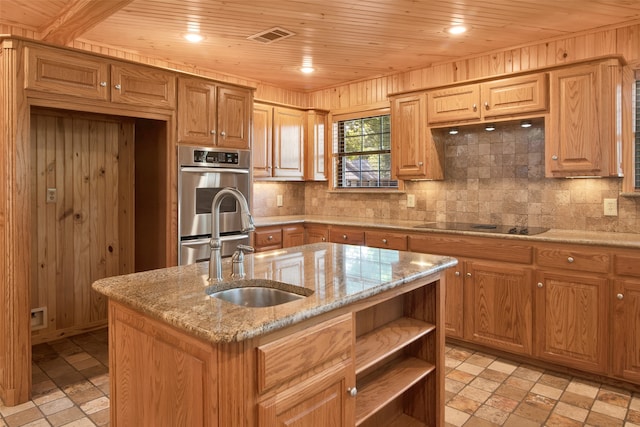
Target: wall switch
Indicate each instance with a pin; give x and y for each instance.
(411, 200)
(610, 207)
(279, 200)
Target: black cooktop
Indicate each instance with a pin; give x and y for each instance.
(484, 228)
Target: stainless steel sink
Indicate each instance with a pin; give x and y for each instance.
(259, 296)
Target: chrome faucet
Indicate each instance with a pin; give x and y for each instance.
(215, 260)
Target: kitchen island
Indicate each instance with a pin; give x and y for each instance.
(364, 346)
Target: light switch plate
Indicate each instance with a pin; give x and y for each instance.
(610, 207)
(411, 200)
(279, 200)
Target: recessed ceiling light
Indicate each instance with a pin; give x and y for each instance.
(307, 70)
(457, 29)
(193, 37)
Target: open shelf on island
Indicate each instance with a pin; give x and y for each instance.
(405, 420)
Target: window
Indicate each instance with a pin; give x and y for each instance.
(362, 153)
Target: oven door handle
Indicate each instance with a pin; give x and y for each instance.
(200, 242)
(212, 170)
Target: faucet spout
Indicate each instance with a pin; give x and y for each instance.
(215, 259)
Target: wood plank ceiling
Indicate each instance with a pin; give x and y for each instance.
(343, 40)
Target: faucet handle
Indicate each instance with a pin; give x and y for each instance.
(237, 261)
(245, 248)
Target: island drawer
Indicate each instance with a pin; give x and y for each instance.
(292, 356)
(572, 259)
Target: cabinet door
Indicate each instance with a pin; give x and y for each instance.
(196, 112)
(66, 73)
(234, 115)
(317, 146)
(292, 235)
(288, 143)
(498, 303)
(571, 320)
(408, 136)
(316, 233)
(146, 86)
(453, 104)
(625, 347)
(454, 302)
(261, 154)
(515, 95)
(581, 136)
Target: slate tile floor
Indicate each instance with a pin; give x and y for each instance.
(71, 388)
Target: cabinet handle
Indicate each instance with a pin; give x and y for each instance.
(468, 274)
(620, 296)
(554, 157)
(457, 273)
(540, 285)
(118, 87)
(570, 260)
(353, 392)
(384, 241)
(475, 107)
(486, 105)
(223, 134)
(212, 131)
(344, 236)
(270, 238)
(103, 84)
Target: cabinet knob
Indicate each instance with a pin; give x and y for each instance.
(324, 239)
(620, 296)
(475, 107)
(384, 241)
(468, 274)
(457, 273)
(554, 157)
(540, 285)
(420, 163)
(486, 105)
(212, 131)
(570, 260)
(223, 134)
(270, 238)
(353, 392)
(118, 87)
(344, 236)
(103, 84)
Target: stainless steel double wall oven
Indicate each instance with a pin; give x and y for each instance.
(202, 172)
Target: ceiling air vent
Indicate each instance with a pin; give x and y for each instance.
(271, 35)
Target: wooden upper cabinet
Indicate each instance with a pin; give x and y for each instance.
(261, 150)
(317, 152)
(582, 137)
(72, 73)
(515, 95)
(454, 104)
(497, 98)
(288, 142)
(415, 154)
(213, 115)
(139, 85)
(67, 73)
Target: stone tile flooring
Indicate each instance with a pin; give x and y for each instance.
(71, 388)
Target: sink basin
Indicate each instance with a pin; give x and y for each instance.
(259, 296)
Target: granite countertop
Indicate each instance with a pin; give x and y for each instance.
(336, 274)
(603, 238)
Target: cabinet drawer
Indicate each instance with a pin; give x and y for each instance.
(345, 235)
(385, 240)
(569, 259)
(626, 265)
(66, 73)
(472, 247)
(268, 237)
(296, 354)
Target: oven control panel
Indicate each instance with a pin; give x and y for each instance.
(220, 157)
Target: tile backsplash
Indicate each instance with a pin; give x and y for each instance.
(490, 177)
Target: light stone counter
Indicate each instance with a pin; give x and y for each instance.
(601, 238)
(336, 274)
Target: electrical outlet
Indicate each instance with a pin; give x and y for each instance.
(610, 207)
(411, 200)
(279, 200)
(52, 195)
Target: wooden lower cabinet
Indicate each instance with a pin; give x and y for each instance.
(499, 306)
(316, 233)
(571, 319)
(292, 235)
(454, 302)
(626, 329)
